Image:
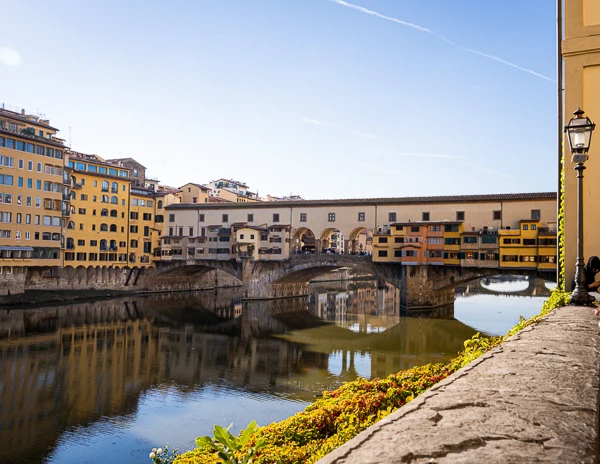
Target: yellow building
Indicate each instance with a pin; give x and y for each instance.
(387, 244)
(144, 231)
(98, 223)
(31, 198)
(519, 247)
(581, 55)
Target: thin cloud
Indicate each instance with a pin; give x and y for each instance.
(337, 126)
(414, 154)
(10, 57)
(481, 168)
(440, 36)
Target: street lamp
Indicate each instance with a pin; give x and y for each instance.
(579, 130)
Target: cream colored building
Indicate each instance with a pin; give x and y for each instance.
(194, 193)
(355, 218)
(581, 55)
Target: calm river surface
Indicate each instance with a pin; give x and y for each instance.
(106, 381)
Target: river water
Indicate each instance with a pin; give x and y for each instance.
(106, 381)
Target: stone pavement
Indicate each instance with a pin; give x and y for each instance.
(532, 399)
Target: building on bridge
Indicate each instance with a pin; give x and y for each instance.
(491, 231)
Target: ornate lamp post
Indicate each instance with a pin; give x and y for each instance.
(579, 131)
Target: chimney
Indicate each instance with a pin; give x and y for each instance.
(23, 112)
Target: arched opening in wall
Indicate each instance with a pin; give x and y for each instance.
(81, 274)
(103, 212)
(111, 274)
(70, 243)
(103, 245)
(113, 213)
(69, 272)
(113, 227)
(71, 225)
(91, 274)
(331, 240)
(199, 276)
(132, 257)
(104, 274)
(303, 241)
(360, 241)
(103, 227)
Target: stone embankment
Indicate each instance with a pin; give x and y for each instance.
(532, 399)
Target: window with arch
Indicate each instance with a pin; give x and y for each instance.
(113, 213)
(105, 186)
(113, 245)
(132, 257)
(70, 244)
(104, 212)
(73, 195)
(159, 204)
(114, 200)
(71, 225)
(103, 227)
(103, 245)
(104, 199)
(114, 188)
(113, 227)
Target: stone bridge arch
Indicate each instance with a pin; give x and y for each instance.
(195, 275)
(303, 240)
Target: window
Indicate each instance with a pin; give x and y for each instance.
(529, 241)
(435, 228)
(415, 228)
(535, 214)
(382, 253)
(191, 232)
(114, 187)
(435, 241)
(533, 227)
(469, 239)
(104, 212)
(80, 242)
(525, 227)
(28, 219)
(147, 217)
(105, 186)
(250, 217)
(275, 217)
(114, 201)
(460, 215)
(391, 217)
(81, 211)
(497, 215)
(201, 218)
(225, 218)
(103, 227)
(113, 227)
(27, 235)
(425, 216)
(331, 217)
(181, 232)
(134, 215)
(134, 244)
(383, 240)
(113, 213)
(511, 241)
(488, 240)
(361, 217)
(398, 239)
(30, 165)
(303, 217)
(29, 183)
(171, 217)
(93, 243)
(39, 167)
(134, 229)
(21, 163)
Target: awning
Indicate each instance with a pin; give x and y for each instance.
(15, 248)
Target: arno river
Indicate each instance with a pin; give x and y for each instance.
(106, 381)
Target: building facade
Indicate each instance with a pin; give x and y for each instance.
(32, 204)
(581, 58)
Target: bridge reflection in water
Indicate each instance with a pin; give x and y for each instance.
(65, 368)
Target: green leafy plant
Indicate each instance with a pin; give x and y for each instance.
(229, 448)
(162, 456)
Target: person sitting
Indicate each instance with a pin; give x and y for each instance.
(590, 270)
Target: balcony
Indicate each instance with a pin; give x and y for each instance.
(224, 231)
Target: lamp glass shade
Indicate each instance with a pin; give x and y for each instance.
(579, 132)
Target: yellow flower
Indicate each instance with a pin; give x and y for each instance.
(159, 451)
(152, 455)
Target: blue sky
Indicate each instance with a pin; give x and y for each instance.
(326, 99)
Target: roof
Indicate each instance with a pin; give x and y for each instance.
(216, 200)
(25, 118)
(116, 160)
(200, 186)
(381, 201)
(34, 138)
